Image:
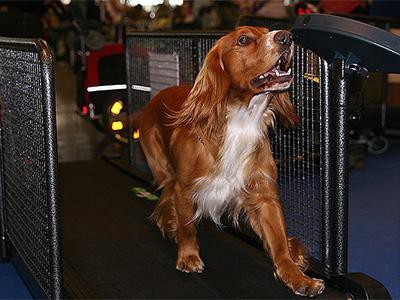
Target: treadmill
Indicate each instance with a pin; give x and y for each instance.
(95, 240)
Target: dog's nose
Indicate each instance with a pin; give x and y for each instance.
(283, 37)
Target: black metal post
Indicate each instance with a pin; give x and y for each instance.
(49, 117)
(326, 166)
(195, 54)
(340, 180)
(3, 237)
(130, 101)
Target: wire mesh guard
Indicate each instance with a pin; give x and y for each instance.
(24, 171)
(297, 151)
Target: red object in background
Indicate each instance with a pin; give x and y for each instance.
(85, 110)
(92, 70)
(340, 6)
(302, 11)
(302, 8)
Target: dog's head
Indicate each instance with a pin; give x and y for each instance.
(244, 63)
(257, 60)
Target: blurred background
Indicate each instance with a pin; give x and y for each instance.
(87, 39)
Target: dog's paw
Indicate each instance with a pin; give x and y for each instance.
(311, 287)
(190, 264)
(298, 282)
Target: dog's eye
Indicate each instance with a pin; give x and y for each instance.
(243, 40)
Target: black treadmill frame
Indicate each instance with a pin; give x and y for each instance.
(335, 79)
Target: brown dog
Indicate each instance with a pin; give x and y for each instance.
(208, 148)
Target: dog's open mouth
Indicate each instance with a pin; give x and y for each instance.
(278, 76)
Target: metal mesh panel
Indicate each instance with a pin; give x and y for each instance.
(297, 154)
(25, 161)
(190, 52)
(297, 151)
(164, 71)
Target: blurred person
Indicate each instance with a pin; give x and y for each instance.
(263, 8)
(115, 10)
(199, 6)
(162, 18)
(220, 14)
(204, 12)
(118, 13)
(384, 8)
(23, 18)
(184, 17)
(344, 6)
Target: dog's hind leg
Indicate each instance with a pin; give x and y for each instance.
(165, 213)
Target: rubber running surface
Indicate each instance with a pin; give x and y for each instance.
(112, 250)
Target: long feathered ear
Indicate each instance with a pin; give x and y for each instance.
(206, 104)
(281, 104)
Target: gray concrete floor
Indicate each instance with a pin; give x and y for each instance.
(78, 140)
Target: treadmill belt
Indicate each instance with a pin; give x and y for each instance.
(112, 250)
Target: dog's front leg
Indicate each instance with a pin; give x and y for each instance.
(188, 248)
(267, 220)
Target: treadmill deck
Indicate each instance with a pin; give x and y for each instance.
(112, 250)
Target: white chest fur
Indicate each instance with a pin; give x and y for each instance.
(217, 191)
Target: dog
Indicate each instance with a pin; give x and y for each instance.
(208, 149)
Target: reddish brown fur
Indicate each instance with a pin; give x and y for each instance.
(182, 130)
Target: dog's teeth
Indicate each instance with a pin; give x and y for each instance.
(276, 72)
(261, 77)
(290, 71)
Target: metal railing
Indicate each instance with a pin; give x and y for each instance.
(28, 152)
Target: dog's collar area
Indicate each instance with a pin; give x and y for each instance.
(258, 100)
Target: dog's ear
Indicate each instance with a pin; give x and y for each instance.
(206, 104)
(281, 105)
